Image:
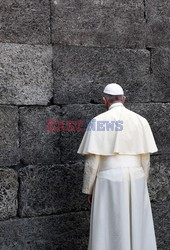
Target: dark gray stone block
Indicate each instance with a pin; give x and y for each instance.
(158, 116)
(26, 74)
(9, 137)
(52, 189)
(70, 140)
(161, 218)
(57, 232)
(93, 3)
(159, 186)
(158, 23)
(118, 24)
(81, 73)
(25, 21)
(160, 63)
(39, 146)
(8, 193)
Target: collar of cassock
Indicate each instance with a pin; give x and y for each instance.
(117, 104)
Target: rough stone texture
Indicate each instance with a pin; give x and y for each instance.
(76, 112)
(26, 74)
(80, 74)
(160, 65)
(158, 23)
(159, 185)
(51, 189)
(99, 3)
(119, 24)
(37, 144)
(9, 138)
(59, 232)
(161, 217)
(8, 193)
(25, 21)
(158, 116)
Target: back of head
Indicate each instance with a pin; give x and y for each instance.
(113, 92)
(113, 89)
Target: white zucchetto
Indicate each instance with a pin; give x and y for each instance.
(113, 89)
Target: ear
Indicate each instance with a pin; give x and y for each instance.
(124, 99)
(105, 101)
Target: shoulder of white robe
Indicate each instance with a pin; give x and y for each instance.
(84, 142)
(152, 144)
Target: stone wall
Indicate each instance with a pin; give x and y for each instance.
(56, 56)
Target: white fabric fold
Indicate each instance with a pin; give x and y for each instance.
(95, 163)
(134, 137)
(121, 215)
(90, 172)
(145, 162)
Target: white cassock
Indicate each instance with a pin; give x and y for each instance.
(116, 171)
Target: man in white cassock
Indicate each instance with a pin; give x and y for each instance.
(117, 145)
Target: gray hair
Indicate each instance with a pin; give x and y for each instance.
(113, 98)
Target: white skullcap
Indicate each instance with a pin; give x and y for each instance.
(113, 89)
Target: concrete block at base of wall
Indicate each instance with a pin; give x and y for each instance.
(26, 74)
(25, 21)
(9, 136)
(38, 145)
(52, 189)
(68, 231)
(8, 193)
(118, 24)
(56, 232)
(80, 74)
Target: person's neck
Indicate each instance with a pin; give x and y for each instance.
(115, 104)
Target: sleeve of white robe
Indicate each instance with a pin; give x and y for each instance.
(145, 161)
(90, 172)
